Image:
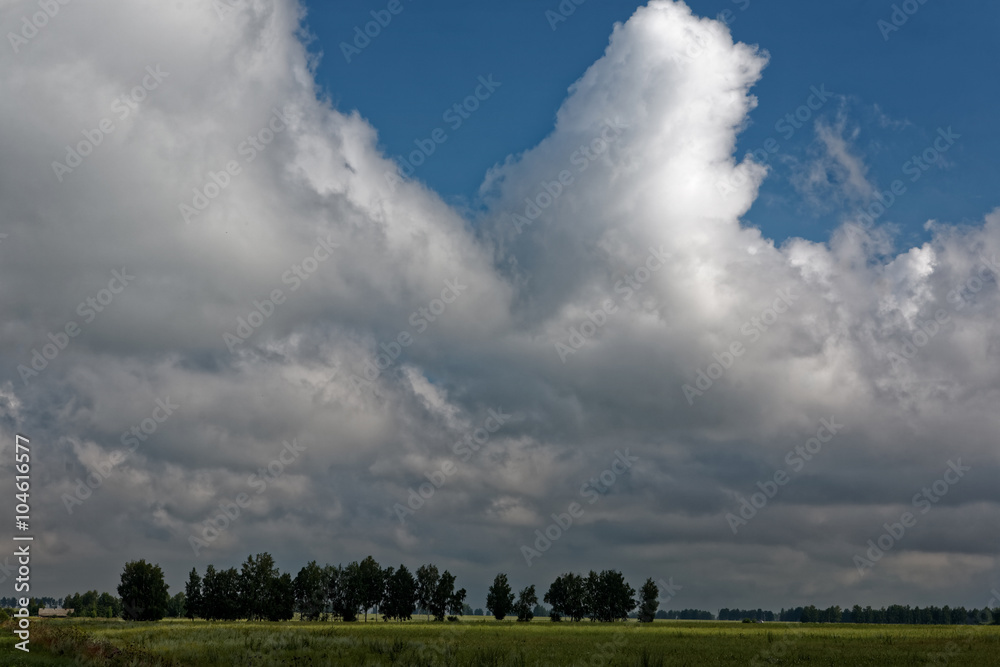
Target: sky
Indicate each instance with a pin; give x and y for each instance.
(705, 293)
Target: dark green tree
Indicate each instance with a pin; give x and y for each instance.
(220, 591)
(255, 585)
(177, 606)
(650, 594)
(88, 604)
(500, 598)
(107, 606)
(400, 595)
(575, 605)
(311, 592)
(143, 592)
(556, 596)
(427, 584)
(442, 596)
(347, 592)
(281, 598)
(526, 601)
(229, 589)
(331, 575)
(608, 597)
(456, 602)
(371, 584)
(192, 591)
(209, 594)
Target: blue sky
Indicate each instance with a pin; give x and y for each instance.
(936, 70)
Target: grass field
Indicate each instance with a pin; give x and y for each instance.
(477, 642)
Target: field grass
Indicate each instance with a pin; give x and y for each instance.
(479, 643)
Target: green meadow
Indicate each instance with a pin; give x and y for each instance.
(475, 641)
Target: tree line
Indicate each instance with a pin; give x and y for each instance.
(259, 591)
(893, 614)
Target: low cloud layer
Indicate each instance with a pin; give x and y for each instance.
(211, 288)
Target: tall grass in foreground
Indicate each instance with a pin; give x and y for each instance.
(487, 643)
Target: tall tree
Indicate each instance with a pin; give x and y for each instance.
(192, 591)
(281, 598)
(371, 584)
(349, 592)
(608, 596)
(556, 596)
(500, 598)
(107, 606)
(400, 595)
(220, 592)
(229, 589)
(526, 601)
(176, 606)
(209, 594)
(650, 595)
(143, 592)
(256, 583)
(310, 591)
(387, 574)
(575, 596)
(443, 596)
(71, 601)
(427, 583)
(332, 574)
(456, 603)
